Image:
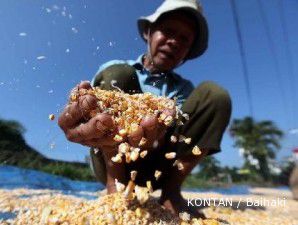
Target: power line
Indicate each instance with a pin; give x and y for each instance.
(243, 56)
(274, 57)
(288, 52)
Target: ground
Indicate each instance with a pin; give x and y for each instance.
(272, 206)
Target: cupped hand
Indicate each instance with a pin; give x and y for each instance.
(77, 125)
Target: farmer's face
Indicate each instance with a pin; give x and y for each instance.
(170, 40)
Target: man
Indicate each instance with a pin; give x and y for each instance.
(175, 33)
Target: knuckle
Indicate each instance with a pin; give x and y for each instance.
(70, 136)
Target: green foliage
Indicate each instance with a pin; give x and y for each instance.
(193, 181)
(69, 170)
(259, 140)
(15, 151)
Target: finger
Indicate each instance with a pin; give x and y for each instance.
(96, 127)
(70, 116)
(169, 112)
(75, 112)
(85, 85)
(86, 104)
(150, 125)
(106, 141)
(135, 136)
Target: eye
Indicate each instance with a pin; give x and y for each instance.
(168, 31)
(185, 40)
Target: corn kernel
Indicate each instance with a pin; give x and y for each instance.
(149, 186)
(133, 175)
(157, 174)
(168, 120)
(187, 140)
(119, 186)
(196, 150)
(173, 139)
(134, 155)
(170, 155)
(143, 141)
(51, 117)
(118, 138)
(122, 132)
(143, 154)
(123, 147)
(117, 158)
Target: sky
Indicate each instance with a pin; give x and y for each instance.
(47, 47)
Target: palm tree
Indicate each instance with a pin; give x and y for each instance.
(259, 142)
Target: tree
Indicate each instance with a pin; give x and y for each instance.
(258, 142)
(209, 167)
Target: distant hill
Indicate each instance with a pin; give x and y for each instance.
(16, 152)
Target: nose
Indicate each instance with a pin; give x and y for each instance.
(173, 43)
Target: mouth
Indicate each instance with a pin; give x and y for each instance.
(167, 54)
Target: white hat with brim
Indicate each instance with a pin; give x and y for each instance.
(201, 42)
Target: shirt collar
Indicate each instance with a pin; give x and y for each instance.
(138, 64)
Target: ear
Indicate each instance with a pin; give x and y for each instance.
(146, 33)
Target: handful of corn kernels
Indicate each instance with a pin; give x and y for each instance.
(127, 111)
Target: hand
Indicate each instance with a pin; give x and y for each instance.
(79, 128)
(150, 129)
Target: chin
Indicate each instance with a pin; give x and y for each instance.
(164, 65)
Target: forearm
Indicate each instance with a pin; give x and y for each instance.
(114, 170)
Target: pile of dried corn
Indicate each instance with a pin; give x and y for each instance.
(110, 209)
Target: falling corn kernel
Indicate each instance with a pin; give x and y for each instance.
(122, 132)
(196, 150)
(186, 116)
(119, 186)
(149, 186)
(143, 154)
(180, 123)
(181, 138)
(173, 139)
(142, 194)
(123, 147)
(170, 155)
(95, 150)
(51, 117)
(128, 193)
(176, 162)
(157, 174)
(180, 166)
(133, 175)
(187, 140)
(118, 138)
(134, 155)
(117, 158)
(143, 141)
(127, 157)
